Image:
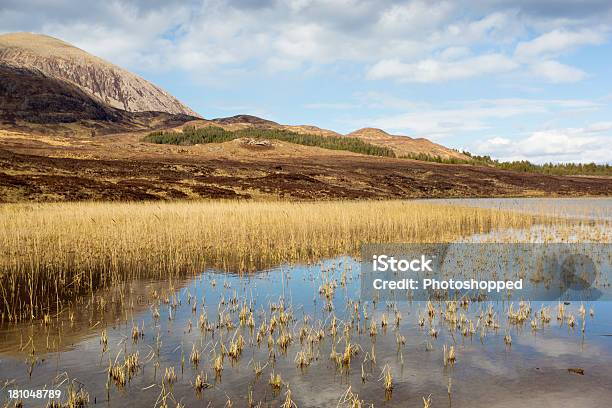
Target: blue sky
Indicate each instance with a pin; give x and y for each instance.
(513, 79)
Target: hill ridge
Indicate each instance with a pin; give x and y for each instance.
(402, 146)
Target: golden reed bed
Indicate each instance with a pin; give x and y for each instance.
(50, 253)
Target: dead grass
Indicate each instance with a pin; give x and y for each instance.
(52, 252)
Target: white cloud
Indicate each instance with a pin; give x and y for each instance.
(414, 17)
(134, 39)
(556, 72)
(454, 62)
(455, 53)
(556, 42)
(411, 41)
(498, 27)
(469, 116)
(599, 127)
(431, 70)
(587, 144)
(499, 142)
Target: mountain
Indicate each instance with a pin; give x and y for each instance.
(405, 146)
(107, 83)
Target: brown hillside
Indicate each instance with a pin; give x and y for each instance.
(405, 146)
(123, 167)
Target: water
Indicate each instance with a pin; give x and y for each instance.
(532, 371)
(590, 208)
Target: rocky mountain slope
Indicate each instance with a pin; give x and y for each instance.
(30, 96)
(33, 102)
(108, 83)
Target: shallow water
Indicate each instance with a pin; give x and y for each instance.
(532, 371)
(590, 208)
(487, 372)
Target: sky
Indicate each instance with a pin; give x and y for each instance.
(523, 79)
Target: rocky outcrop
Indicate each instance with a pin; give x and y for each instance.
(108, 83)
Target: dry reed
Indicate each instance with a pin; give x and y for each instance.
(52, 252)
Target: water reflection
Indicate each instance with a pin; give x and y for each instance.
(487, 370)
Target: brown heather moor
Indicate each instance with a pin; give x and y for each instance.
(50, 253)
